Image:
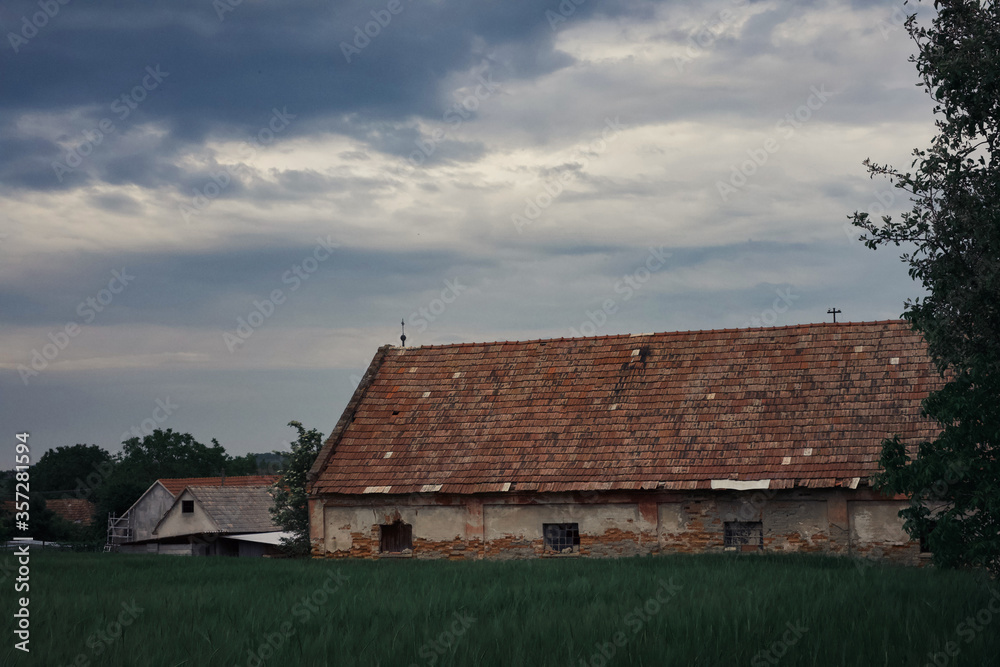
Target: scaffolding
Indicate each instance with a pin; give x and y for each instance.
(119, 530)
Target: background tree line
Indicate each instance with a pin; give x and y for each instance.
(113, 482)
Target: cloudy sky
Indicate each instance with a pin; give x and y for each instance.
(212, 213)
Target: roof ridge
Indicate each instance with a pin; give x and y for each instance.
(219, 477)
(636, 335)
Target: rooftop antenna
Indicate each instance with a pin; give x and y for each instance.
(834, 311)
(402, 336)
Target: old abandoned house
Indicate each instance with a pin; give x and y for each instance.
(749, 440)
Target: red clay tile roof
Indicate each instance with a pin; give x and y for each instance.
(177, 484)
(803, 405)
(76, 510)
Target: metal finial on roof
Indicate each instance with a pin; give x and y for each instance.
(833, 311)
(402, 336)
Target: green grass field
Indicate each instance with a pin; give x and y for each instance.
(104, 609)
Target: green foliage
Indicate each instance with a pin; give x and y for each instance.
(271, 463)
(952, 234)
(6, 524)
(291, 507)
(238, 466)
(44, 524)
(726, 610)
(158, 455)
(7, 484)
(65, 469)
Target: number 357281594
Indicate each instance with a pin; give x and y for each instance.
(22, 460)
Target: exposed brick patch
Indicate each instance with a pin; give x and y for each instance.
(612, 543)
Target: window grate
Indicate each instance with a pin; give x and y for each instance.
(187, 507)
(561, 538)
(743, 535)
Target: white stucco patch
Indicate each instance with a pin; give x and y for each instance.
(876, 522)
(736, 485)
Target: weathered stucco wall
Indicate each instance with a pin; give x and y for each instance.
(876, 531)
(148, 511)
(354, 530)
(156, 548)
(606, 529)
(839, 521)
(175, 522)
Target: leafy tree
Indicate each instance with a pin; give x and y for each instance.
(952, 238)
(6, 524)
(161, 454)
(271, 463)
(291, 507)
(238, 466)
(7, 484)
(66, 469)
(44, 524)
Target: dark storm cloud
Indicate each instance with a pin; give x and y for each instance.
(26, 162)
(222, 73)
(210, 288)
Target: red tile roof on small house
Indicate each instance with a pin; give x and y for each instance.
(803, 405)
(76, 510)
(177, 484)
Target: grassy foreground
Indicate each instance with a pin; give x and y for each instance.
(105, 609)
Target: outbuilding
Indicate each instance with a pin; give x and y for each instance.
(133, 531)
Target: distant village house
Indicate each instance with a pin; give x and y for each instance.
(201, 516)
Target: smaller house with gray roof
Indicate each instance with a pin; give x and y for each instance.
(219, 521)
(134, 531)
